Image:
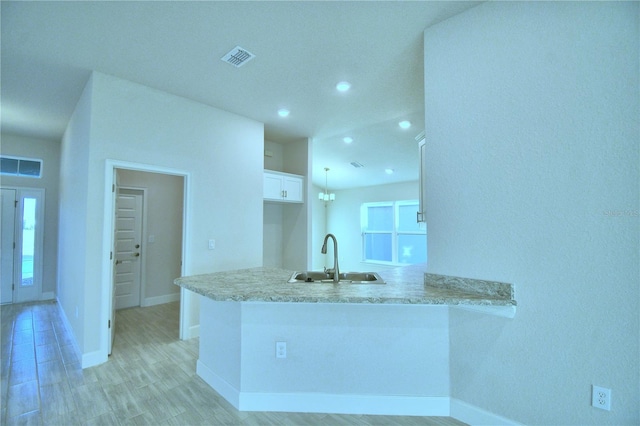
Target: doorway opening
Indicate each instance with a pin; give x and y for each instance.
(22, 244)
(145, 222)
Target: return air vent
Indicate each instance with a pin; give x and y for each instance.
(356, 164)
(238, 57)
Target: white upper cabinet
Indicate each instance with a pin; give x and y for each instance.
(283, 187)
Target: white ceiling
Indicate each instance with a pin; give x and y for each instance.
(302, 50)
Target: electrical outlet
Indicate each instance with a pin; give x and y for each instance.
(281, 349)
(601, 397)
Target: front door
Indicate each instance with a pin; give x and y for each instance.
(128, 248)
(22, 257)
(8, 206)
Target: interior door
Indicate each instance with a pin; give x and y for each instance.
(128, 248)
(8, 208)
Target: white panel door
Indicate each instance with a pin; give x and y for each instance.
(128, 248)
(8, 207)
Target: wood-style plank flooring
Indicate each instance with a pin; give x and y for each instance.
(149, 379)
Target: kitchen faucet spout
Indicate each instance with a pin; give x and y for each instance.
(336, 270)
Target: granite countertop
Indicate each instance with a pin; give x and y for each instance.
(404, 285)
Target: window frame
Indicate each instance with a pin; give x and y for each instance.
(395, 232)
(19, 160)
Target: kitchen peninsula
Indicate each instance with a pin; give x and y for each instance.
(344, 348)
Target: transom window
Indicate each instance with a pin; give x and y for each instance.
(391, 233)
(17, 166)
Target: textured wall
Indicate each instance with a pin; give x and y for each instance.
(532, 144)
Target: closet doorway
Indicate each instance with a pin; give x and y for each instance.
(147, 207)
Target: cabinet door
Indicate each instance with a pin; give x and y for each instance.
(292, 189)
(272, 187)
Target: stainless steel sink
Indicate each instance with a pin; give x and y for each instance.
(327, 277)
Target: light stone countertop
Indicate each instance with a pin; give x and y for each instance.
(404, 285)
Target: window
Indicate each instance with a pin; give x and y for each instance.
(24, 167)
(391, 233)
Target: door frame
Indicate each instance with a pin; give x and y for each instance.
(186, 298)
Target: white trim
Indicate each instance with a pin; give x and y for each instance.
(390, 405)
(70, 333)
(476, 416)
(497, 310)
(325, 403)
(194, 331)
(106, 278)
(49, 295)
(226, 390)
(160, 300)
(94, 358)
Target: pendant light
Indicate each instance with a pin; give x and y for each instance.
(326, 195)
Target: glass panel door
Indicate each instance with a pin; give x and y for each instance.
(29, 245)
(28, 239)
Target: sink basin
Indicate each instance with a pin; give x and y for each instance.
(346, 277)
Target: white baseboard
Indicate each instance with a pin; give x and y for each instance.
(160, 300)
(67, 325)
(476, 416)
(194, 331)
(49, 295)
(390, 405)
(93, 358)
(325, 403)
(220, 385)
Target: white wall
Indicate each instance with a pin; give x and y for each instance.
(343, 220)
(73, 223)
(286, 226)
(49, 152)
(532, 113)
(163, 217)
(221, 151)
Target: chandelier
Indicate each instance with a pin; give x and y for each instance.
(326, 195)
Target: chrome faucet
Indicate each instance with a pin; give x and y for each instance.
(335, 270)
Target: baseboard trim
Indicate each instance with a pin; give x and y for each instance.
(194, 331)
(226, 390)
(160, 300)
(476, 416)
(325, 403)
(92, 359)
(390, 405)
(48, 295)
(67, 325)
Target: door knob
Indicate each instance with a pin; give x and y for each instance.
(137, 245)
(137, 254)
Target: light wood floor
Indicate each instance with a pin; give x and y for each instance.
(149, 379)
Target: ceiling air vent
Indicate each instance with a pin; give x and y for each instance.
(356, 164)
(238, 57)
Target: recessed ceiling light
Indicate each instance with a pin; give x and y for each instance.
(404, 124)
(283, 112)
(347, 139)
(388, 171)
(343, 86)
